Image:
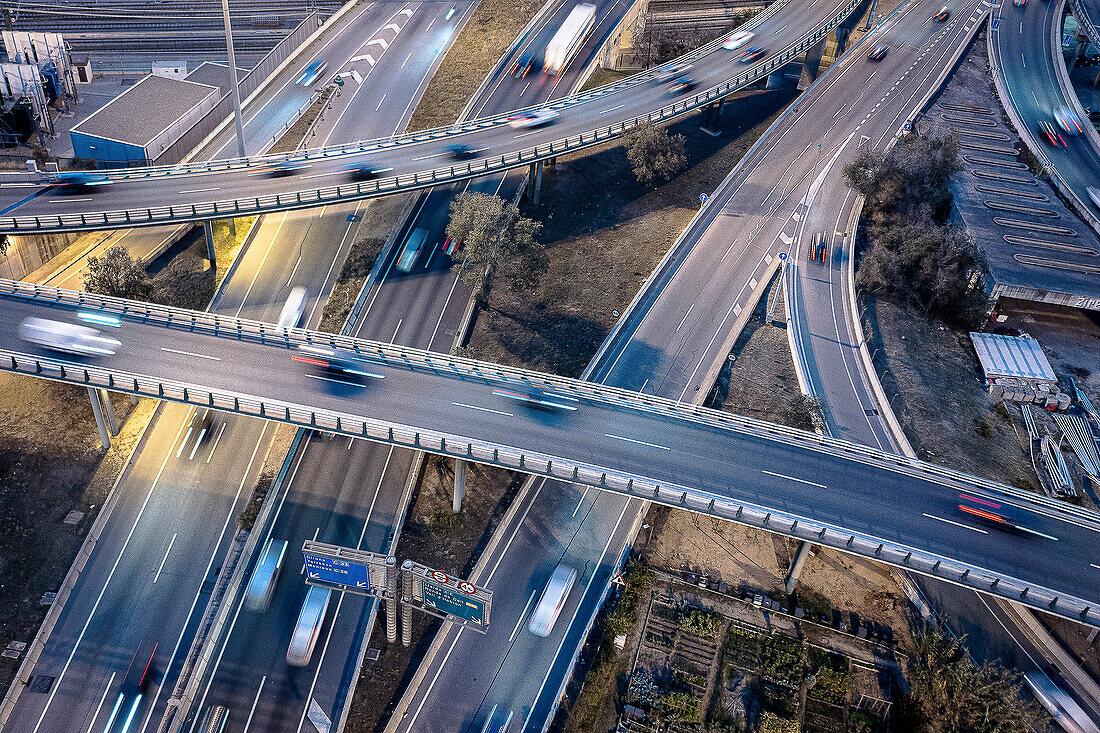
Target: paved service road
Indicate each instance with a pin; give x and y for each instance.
(791, 21)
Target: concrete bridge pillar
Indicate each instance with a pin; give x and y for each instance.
(460, 484)
(208, 230)
(109, 411)
(795, 570)
(534, 182)
(811, 65)
(842, 34)
(100, 420)
(775, 79)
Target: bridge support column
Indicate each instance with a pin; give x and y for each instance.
(109, 411)
(534, 183)
(460, 484)
(811, 65)
(795, 570)
(208, 230)
(1081, 48)
(406, 610)
(775, 79)
(842, 34)
(100, 420)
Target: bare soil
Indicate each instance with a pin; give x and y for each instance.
(604, 240)
(440, 539)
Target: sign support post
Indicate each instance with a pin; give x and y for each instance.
(391, 600)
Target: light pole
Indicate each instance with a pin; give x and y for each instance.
(233, 79)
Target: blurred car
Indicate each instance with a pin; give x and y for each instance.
(670, 72)
(1019, 3)
(311, 73)
(679, 85)
(538, 398)
(363, 171)
(552, 601)
(451, 245)
(294, 308)
(308, 627)
(280, 169)
(990, 512)
(523, 65)
(79, 181)
(201, 423)
(262, 585)
(942, 14)
(878, 53)
(534, 118)
(1068, 120)
(460, 151)
(1094, 194)
(737, 40)
(134, 684)
(69, 338)
(752, 54)
(1052, 135)
(346, 365)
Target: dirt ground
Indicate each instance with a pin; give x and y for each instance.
(603, 240)
(51, 464)
(440, 539)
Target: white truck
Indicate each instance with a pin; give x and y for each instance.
(569, 37)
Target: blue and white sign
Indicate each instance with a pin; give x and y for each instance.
(703, 198)
(336, 571)
(782, 256)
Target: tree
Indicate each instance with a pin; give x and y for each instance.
(118, 274)
(496, 242)
(654, 154)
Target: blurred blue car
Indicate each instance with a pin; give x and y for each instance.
(311, 73)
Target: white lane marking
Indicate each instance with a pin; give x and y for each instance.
(690, 308)
(217, 439)
(1095, 565)
(523, 615)
(190, 353)
(639, 442)
(198, 442)
(380, 101)
(200, 190)
(170, 543)
(179, 451)
(612, 109)
(66, 201)
(321, 175)
(406, 60)
(101, 701)
(344, 381)
(957, 524)
(483, 409)
(106, 583)
(525, 134)
(399, 322)
(433, 155)
(579, 503)
(792, 478)
(252, 712)
(1038, 533)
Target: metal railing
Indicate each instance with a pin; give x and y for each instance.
(246, 206)
(552, 466)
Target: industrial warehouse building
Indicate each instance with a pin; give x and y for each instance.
(138, 125)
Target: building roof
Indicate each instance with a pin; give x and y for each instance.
(215, 74)
(145, 110)
(1012, 356)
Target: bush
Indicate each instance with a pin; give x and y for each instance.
(772, 723)
(783, 659)
(698, 622)
(802, 413)
(620, 619)
(833, 674)
(682, 705)
(654, 155)
(117, 274)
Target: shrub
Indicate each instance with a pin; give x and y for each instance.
(654, 155)
(772, 723)
(704, 624)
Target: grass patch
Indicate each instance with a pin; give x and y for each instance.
(603, 76)
(482, 41)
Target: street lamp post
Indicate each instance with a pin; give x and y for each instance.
(233, 80)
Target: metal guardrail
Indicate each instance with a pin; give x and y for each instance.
(246, 206)
(1085, 22)
(551, 466)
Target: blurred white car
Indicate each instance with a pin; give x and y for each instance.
(293, 309)
(534, 118)
(737, 40)
(552, 601)
(1094, 194)
(67, 337)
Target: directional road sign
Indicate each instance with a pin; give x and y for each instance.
(440, 594)
(345, 568)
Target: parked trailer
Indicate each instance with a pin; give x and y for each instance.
(567, 41)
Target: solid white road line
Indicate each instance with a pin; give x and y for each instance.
(1095, 565)
(957, 524)
(522, 615)
(101, 701)
(483, 409)
(217, 439)
(252, 712)
(190, 353)
(639, 442)
(200, 190)
(579, 503)
(170, 543)
(792, 478)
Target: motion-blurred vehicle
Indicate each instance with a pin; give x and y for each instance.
(538, 398)
(311, 73)
(878, 53)
(670, 72)
(552, 600)
(217, 717)
(754, 53)
(363, 171)
(79, 181)
(498, 721)
(344, 365)
(69, 338)
(1019, 3)
(523, 65)
(308, 627)
(819, 247)
(737, 40)
(990, 512)
(260, 589)
(202, 421)
(1094, 194)
(280, 169)
(134, 684)
(1052, 135)
(460, 151)
(406, 260)
(533, 118)
(942, 14)
(294, 308)
(1068, 120)
(567, 41)
(451, 245)
(1067, 713)
(680, 85)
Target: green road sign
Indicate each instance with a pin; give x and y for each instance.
(454, 602)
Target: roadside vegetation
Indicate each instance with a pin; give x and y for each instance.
(654, 155)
